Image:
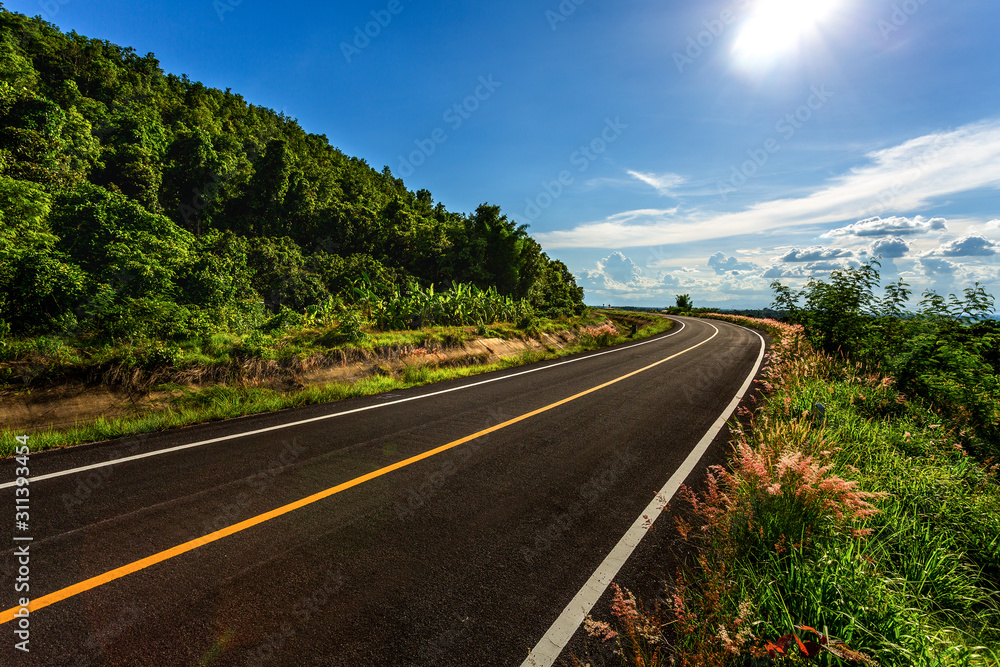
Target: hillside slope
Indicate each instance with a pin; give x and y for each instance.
(139, 204)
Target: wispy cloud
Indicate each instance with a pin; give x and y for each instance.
(904, 178)
(665, 184)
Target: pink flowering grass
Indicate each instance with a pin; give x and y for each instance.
(639, 638)
(775, 500)
(605, 329)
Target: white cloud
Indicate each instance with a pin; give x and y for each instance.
(937, 267)
(620, 269)
(967, 246)
(729, 265)
(894, 226)
(814, 268)
(904, 178)
(814, 254)
(807, 270)
(664, 183)
(618, 276)
(890, 248)
(776, 271)
(618, 272)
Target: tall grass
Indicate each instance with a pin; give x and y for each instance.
(851, 526)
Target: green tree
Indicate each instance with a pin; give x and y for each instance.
(281, 278)
(38, 287)
(115, 162)
(119, 242)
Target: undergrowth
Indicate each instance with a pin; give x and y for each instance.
(138, 365)
(239, 393)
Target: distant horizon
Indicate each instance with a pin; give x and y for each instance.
(704, 149)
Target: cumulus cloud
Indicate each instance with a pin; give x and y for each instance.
(775, 271)
(665, 184)
(807, 270)
(616, 269)
(903, 178)
(815, 254)
(894, 226)
(618, 273)
(890, 248)
(814, 268)
(973, 245)
(746, 286)
(729, 265)
(933, 266)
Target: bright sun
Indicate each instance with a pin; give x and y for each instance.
(775, 27)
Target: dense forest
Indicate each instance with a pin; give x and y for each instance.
(139, 204)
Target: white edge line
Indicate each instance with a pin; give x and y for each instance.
(234, 436)
(551, 645)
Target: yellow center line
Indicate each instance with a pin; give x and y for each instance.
(125, 570)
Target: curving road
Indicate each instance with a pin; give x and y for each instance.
(453, 524)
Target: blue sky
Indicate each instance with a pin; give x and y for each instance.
(660, 148)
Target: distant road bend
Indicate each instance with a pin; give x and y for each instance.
(472, 522)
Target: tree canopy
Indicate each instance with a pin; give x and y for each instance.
(136, 202)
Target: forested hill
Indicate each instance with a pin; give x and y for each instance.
(131, 195)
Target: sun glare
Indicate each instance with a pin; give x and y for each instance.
(776, 27)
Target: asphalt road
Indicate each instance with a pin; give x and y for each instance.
(464, 557)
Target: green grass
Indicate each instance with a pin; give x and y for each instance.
(923, 588)
(225, 401)
(50, 360)
(917, 583)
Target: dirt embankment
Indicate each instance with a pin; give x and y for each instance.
(32, 408)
